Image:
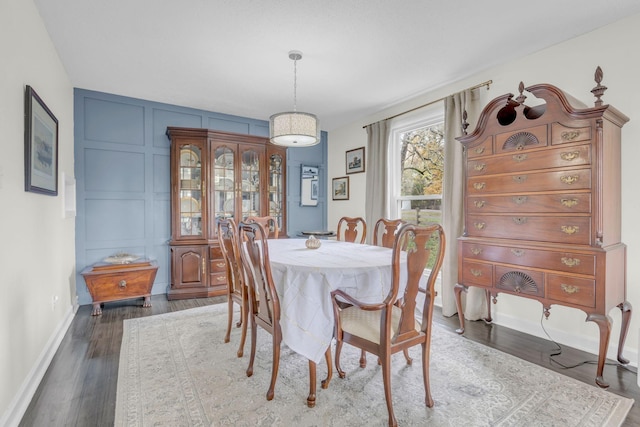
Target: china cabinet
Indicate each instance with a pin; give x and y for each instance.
(217, 175)
(543, 207)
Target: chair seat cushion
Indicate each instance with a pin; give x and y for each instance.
(366, 324)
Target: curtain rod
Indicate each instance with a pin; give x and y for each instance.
(487, 84)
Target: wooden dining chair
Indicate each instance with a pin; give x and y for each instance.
(268, 223)
(385, 230)
(236, 289)
(264, 304)
(352, 229)
(387, 327)
(384, 234)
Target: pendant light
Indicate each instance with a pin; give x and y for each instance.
(294, 128)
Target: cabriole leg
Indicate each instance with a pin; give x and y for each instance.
(625, 307)
(458, 289)
(604, 323)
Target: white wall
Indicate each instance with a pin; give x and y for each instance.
(569, 66)
(37, 251)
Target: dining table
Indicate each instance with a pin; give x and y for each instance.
(304, 279)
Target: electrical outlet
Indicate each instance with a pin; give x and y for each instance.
(54, 301)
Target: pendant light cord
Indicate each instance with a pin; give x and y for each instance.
(295, 84)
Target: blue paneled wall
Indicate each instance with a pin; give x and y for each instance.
(122, 176)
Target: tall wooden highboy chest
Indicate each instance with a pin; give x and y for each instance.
(543, 207)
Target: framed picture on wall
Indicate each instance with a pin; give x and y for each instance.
(340, 188)
(40, 146)
(355, 160)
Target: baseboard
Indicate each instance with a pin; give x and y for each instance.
(14, 413)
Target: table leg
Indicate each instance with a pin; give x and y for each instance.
(311, 400)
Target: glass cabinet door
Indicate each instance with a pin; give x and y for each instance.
(190, 187)
(276, 188)
(250, 186)
(224, 183)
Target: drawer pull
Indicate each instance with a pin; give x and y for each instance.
(570, 179)
(479, 150)
(479, 166)
(476, 251)
(570, 229)
(479, 225)
(570, 262)
(517, 252)
(479, 185)
(479, 203)
(519, 157)
(569, 156)
(519, 200)
(520, 178)
(569, 135)
(220, 264)
(475, 273)
(569, 203)
(569, 289)
(519, 220)
(122, 283)
(221, 278)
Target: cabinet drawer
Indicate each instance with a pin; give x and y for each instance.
(577, 155)
(520, 281)
(477, 274)
(569, 230)
(215, 252)
(111, 287)
(561, 134)
(572, 290)
(522, 140)
(576, 179)
(217, 266)
(526, 257)
(531, 203)
(481, 150)
(217, 279)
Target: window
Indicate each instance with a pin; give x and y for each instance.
(417, 168)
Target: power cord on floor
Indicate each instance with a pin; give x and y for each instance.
(558, 352)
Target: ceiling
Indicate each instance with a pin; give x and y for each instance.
(359, 56)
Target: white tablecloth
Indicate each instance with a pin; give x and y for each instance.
(304, 279)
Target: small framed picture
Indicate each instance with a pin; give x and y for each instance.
(340, 188)
(40, 146)
(309, 170)
(355, 160)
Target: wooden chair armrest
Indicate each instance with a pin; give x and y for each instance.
(349, 299)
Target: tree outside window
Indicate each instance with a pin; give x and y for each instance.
(422, 171)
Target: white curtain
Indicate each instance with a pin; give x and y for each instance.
(474, 301)
(376, 198)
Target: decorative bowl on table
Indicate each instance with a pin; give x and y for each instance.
(312, 242)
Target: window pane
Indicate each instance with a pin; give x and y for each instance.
(422, 168)
(422, 157)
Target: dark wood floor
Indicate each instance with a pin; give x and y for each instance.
(79, 388)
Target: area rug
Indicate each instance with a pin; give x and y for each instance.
(175, 370)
